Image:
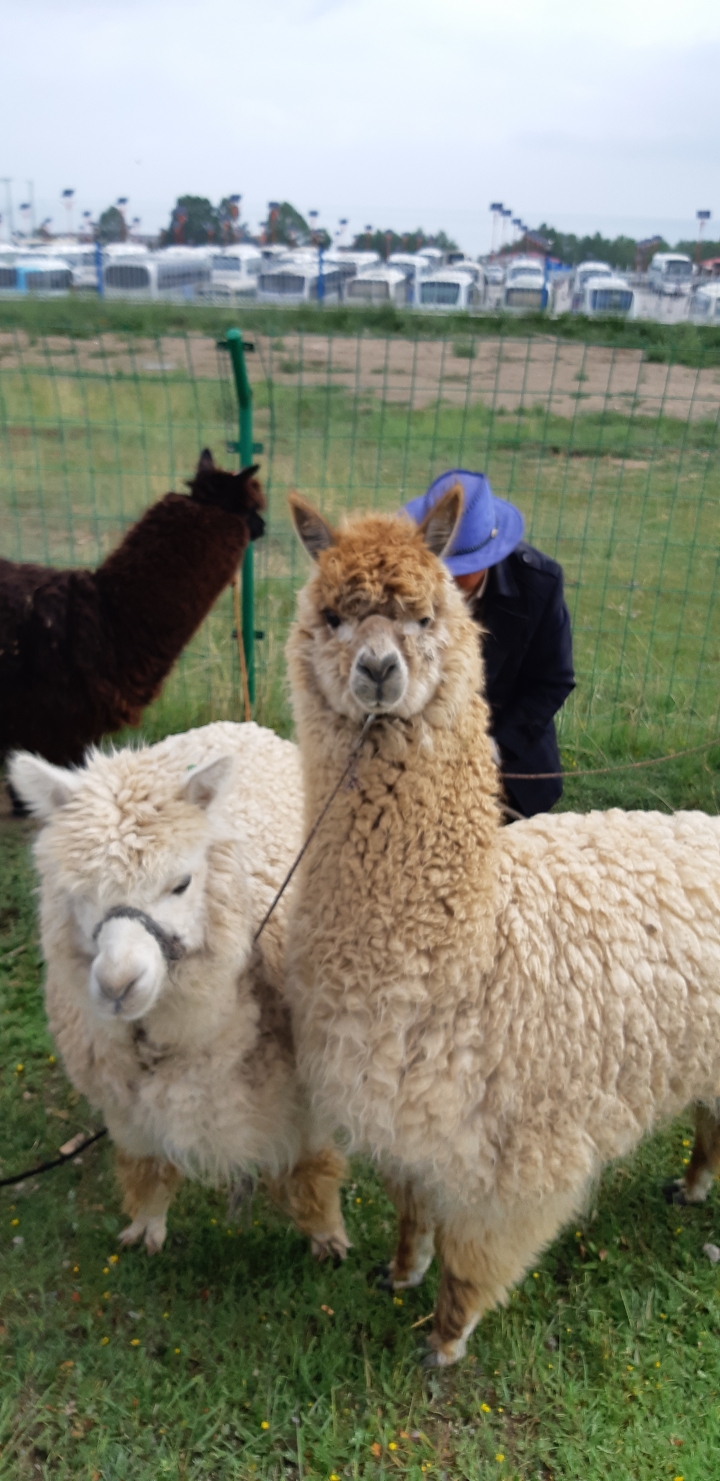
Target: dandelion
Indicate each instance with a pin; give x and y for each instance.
(686, 1143)
(19, 1069)
(334, 1476)
(106, 1295)
(397, 1300)
(165, 1315)
(578, 1233)
(358, 1200)
(629, 1367)
(392, 1445)
(113, 1259)
(104, 1341)
(76, 1269)
(106, 1269)
(657, 1365)
(663, 1317)
(14, 1223)
(134, 1341)
(177, 1349)
(685, 1161)
(499, 1457)
(264, 1424)
(51, 1058)
(486, 1409)
(500, 1409)
(213, 1221)
(536, 1275)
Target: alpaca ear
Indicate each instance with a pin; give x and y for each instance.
(206, 462)
(439, 526)
(312, 530)
(206, 782)
(42, 787)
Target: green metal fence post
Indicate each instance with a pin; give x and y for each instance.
(245, 448)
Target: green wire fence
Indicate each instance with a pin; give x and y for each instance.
(612, 459)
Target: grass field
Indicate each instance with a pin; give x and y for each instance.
(230, 1355)
(629, 503)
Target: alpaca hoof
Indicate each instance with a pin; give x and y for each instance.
(330, 1246)
(436, 1359)
(674, 1193)
(151, 1231)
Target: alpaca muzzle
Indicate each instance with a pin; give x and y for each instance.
(130, 969)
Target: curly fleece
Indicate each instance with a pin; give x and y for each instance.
(492, 1013)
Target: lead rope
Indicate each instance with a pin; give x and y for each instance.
(351, 762)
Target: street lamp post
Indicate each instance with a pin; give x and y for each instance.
(702, 219)
(67, 196)
(495, 210)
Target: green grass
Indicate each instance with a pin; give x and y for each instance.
(681, 344)
(629, 503)
(605, 1360)
(141, 1369)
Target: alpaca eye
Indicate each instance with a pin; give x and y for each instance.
(182, 886)
(423, 621)
(331, 617)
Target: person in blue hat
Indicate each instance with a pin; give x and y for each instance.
(515, 594)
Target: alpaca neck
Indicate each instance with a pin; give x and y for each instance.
(418, 812)
(160, 583)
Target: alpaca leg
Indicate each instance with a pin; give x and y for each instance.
(310, 1194)
(480, 1264)
(148, 1186)
(416, 1236)
(704, 1162)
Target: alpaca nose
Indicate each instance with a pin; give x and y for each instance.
(378, 670)
(115, 986)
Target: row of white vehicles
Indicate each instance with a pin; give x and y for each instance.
(428, 280)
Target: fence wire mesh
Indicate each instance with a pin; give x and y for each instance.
(612, 459)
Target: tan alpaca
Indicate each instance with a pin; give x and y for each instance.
(492, 1013)
(156, 865)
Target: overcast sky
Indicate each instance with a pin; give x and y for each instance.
(582, 113)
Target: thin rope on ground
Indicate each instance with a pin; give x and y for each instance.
(32, 1172)
(542, 776)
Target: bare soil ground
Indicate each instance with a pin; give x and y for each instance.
(502, 373)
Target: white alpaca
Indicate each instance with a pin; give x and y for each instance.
(492, 1013)
(156, 866)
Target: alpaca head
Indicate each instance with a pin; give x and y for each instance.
(236, 493)
(381, 628)
(126, 857)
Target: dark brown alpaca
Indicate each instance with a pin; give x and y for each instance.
(83, 652)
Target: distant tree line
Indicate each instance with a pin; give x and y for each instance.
(385, 242)
(620, 252)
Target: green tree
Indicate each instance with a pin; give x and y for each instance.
(111, 226)
(194, 221)
(389, 241)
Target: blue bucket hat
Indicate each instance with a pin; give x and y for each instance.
(489, 529)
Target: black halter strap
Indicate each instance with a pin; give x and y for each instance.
(171, 946)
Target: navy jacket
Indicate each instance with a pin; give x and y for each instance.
(527, 651)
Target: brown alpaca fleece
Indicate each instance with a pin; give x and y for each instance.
(493, 1014)
(83, 652)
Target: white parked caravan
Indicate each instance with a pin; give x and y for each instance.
(296, 280)
(33, 273)
(235, 270)
(378, 285)
(579, 277)
(606, 294)
(415, 267)
(526, 286)
(671, 273)
(80, 256)
(705, 303)
(174, 272)
(450, 289)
